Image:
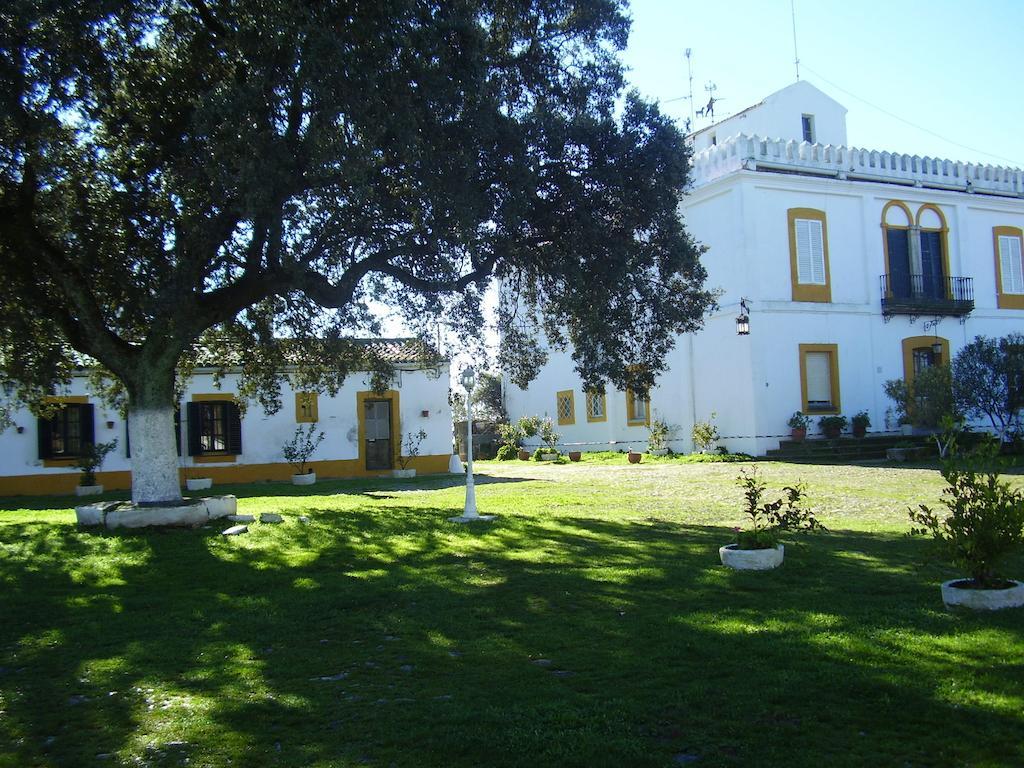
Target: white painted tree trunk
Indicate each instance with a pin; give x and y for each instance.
(154, 456)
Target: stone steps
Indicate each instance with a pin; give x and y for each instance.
(844, 450)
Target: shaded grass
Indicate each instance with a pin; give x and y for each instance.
(155, 647)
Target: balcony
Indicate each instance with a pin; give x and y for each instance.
(927, 295)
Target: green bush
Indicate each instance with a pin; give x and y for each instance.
(986, 516)
(769, 520)
(507, 453)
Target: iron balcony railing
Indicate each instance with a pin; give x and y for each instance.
(927, 295)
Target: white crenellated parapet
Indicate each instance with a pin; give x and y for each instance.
(742, 152)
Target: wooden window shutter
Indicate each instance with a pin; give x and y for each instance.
(1010, 264)
(810, 252)
(194, 428)
(87, 418)
(233, 417)
(45, 441)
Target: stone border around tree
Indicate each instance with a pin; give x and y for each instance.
(121, 514)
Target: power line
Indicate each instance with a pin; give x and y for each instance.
(912, 125)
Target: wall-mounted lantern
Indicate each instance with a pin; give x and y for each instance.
(743, 321)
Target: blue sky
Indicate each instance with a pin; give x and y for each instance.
(952, 67)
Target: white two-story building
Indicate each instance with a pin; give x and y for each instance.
(856, 266)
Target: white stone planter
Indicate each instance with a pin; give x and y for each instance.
(983, 599)
(88, 490)
(751, 559)
(548, 456)
(198, 483)
(659, 452)
(307, 479)
(405, 473)
(906, 429)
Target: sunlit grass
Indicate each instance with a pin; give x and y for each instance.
(590, 624)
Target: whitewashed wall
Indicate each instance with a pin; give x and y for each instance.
(778, 117)
(263, 435)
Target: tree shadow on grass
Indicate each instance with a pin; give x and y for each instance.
(390, 636)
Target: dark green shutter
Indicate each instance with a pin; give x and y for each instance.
(234, 427)
(86, 415)
(45, 441)
(177, 429)
(194, 428)
(127, 440)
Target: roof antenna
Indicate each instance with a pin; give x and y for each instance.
(689, 69)
(796, 56)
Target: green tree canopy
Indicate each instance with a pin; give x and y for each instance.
(187, 178)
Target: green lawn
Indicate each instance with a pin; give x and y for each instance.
(590, 625)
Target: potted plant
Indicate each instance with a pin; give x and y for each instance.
(860, 423)
(898, 391)
(705, 434)
(298, 450)
(89, 460)
(515, 435)
(985, 524)
(412, 450)
(633, 456)
(832, 426)
(548, 451)
(759, 548)
(798, 424)
(575, 455)
(659, 434)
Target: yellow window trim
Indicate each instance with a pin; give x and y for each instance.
(1006, 300)
(312, 399)
(571, 419)
(604, 407)
(801, 292)
(396, 426)
(214, 458)
(68, 399)
(213, 397)
(917, 342)
(631, 422)
(833, 351)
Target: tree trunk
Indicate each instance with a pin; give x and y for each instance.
(151, 433)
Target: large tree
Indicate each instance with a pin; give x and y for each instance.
(181, 178)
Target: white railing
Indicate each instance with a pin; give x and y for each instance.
(753, 153)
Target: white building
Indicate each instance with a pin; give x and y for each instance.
(364, 431)
(854, 265)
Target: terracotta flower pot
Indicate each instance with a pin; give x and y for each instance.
(859, 431)
(634, 458)
(524, 455)
(798, 434)
(575, 455)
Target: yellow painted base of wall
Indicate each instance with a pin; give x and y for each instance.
(46, 485)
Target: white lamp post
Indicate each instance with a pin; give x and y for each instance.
(469, 513)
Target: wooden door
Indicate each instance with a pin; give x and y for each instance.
(378, 449)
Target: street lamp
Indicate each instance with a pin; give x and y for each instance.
(468, 380)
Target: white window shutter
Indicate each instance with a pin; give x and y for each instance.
(818, 367)
(810, 252)
(1010, 264)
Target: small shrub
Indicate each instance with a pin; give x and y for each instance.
(91, 459)
(986, 517)
(705, 433)
(412, 448)
(659, 433)
(548, 435)
(507, 453)
(545, 451)
(303, 444)
(768, 520)
(860, 421)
